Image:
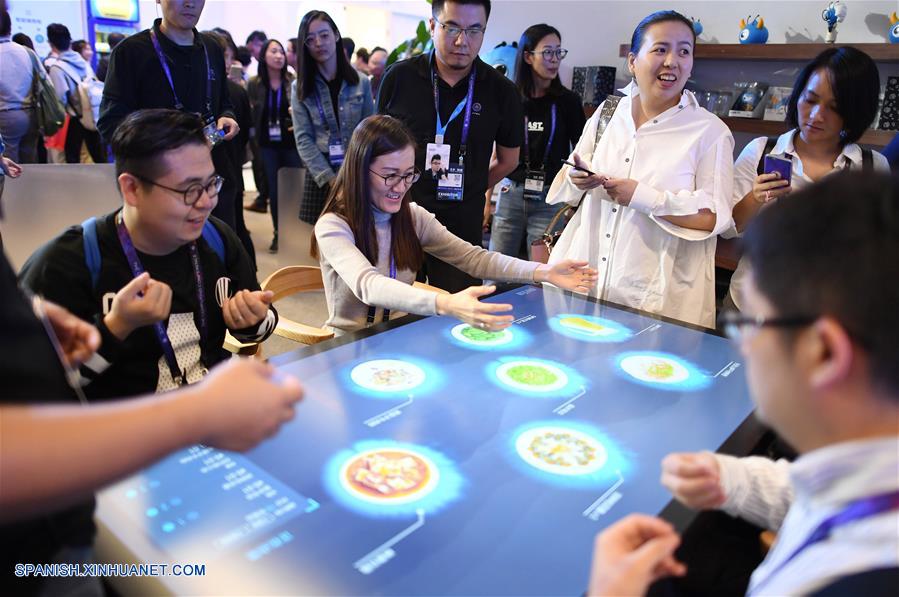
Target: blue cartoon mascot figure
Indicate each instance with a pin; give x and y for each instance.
(754, 31)
(894, 29)
(502, 58)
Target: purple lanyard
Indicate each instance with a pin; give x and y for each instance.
(321, 112)
(274, 115)
(168, 73)
(161, 334)
(371, 309)
(549, 142)
(467, 102)
(856, 510)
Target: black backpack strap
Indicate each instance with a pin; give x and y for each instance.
(871, 583)
(867, 160)
(769, 147)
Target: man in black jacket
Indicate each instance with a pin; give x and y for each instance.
(171, 65)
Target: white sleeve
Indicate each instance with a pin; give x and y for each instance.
(713, 191)
(745, 173)
(757, 489)
(337, 246)
(562, 190)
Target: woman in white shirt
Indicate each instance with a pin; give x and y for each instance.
(371, 241)
(834, 102)
(661, 191)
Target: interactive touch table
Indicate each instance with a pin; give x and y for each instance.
(435, 458)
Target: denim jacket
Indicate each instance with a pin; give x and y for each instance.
(312, 135)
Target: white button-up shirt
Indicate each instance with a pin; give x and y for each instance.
(683, 162)
(746, 171)
(794, 499)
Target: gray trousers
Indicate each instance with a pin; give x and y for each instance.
(19, 131)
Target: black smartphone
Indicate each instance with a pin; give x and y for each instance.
(578, 167)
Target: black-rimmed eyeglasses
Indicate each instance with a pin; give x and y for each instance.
(736, 325)
(191, 194)
(391, 180)
(455, 31)
(548, 53)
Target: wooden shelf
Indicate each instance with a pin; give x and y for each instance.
(783, 52)
(773, 128)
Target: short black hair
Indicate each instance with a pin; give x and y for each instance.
(294, 44)
(256, 36)
(362, 54)
(661, 16)
(437, 157)
(114, 39)
(349, 46)
(377, 49)
(832, 249)
(78, 45)
(23, 40)
(243, 55)
(59, 37)
(437, 6)
(5, 23)
(855, 82)
(145, 136)
(226, 35)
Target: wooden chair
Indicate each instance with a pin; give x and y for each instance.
(285, 282)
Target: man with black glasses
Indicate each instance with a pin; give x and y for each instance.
(456, 105)
(160, 278)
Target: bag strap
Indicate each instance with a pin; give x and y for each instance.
(92, 257)
(605, 115)
(867, 160)
(214, 239)
(769, 147)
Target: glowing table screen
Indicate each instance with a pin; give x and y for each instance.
(437, 458)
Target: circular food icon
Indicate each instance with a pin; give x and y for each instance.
(389, 476)
(654, 369)
(561, 450)
(532, 376)
(387, 375)
(587, 326)
(479, 337)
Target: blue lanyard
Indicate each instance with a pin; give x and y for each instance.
(321, 112)
(549, 142)
(162, 335)
(465, 103)
(168, 73)
(856, 510)
(371, 309)
(274, 115)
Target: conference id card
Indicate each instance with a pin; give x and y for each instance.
(534, 183)
(274, 132)
(336, 153)
(449, 188)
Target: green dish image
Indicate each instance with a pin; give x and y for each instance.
(479, 335)
(532, 375)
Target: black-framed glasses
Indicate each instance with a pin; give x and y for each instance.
(391, 180)
(323, 36)
(548, 53)
(455, 31)
(736, 324)
(191, 194)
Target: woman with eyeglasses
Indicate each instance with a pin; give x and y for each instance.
(553, 122)
(656, 183)
(270, 103)
(833, 103)
(371, 240)
(329, 98)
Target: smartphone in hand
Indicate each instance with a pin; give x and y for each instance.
(576, 167)
(780, 165)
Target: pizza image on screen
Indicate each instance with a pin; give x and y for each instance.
(532, 376)
(561, 450)
(655, 369)
(472, 335)
(389, 476)
(387, 375)
(584, 326)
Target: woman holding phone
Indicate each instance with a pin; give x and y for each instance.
(270, 103)
(371, 240)
(329, 98)
(834, 101)
(552, 124)
(661, 186)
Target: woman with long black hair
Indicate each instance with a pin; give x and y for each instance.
(269, 99)
(329, 99)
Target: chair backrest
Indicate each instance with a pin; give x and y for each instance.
(293, 279)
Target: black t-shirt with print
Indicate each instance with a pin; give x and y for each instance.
(59, 272)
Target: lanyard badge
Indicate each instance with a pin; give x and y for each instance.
(449, 176)
(336, 150)
(535, 178)
(274, 115)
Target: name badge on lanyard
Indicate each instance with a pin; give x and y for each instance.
(336, 151)
(450, 178)
(535, 178)
(274, 116)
